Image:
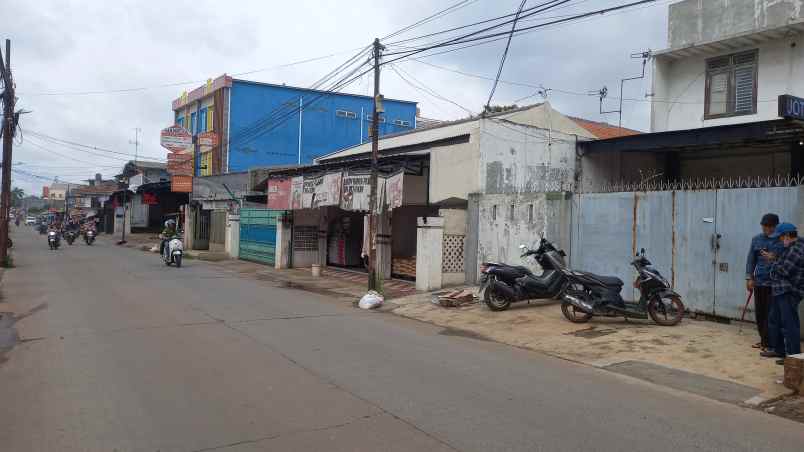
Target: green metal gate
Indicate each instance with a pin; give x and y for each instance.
(258, 234)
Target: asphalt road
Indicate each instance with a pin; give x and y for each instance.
(120, 353)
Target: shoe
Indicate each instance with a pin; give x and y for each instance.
(780, 362)
(769, 354)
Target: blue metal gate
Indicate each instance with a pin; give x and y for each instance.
(258, 234)
(698, 238)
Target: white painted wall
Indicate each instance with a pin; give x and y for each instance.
(679, 85)
(453, 169)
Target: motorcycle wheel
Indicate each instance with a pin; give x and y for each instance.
(496, 302)
(178, 261)
(574, 314)
(666, 311)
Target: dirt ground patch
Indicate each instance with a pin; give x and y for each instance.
(790, 407)
(714, 350)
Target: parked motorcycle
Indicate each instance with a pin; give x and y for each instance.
(588, 295)
(503, 284)
(70, 236)
(89, 236)
(53, 240)
(173, 251)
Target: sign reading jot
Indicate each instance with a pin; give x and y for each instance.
(175, 138)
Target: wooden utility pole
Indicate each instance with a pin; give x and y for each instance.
(375, 278)
(9, 125)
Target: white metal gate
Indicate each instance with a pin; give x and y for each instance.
(698, 238)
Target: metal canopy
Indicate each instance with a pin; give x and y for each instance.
(776, 131)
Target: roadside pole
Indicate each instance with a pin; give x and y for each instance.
(375, 277)
(9, 125)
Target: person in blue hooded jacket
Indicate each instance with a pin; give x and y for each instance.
(787, 277)
(757, 278)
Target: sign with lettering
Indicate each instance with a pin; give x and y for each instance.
(180, 164)
(296, 192)
(181, 184)
(394, 190)
(175, 138)
(209, 139)
(356, 191)
(791, 107)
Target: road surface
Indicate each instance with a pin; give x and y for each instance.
(120, 353)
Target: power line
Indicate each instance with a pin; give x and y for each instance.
(78, 146)
(443, 12)
(505, 54)
(423, 88)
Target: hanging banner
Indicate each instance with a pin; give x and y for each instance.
(328, 191)
(296, 192)
(175, 138)
(150, 199)
(279, 193)
(181, 184)
(308, 190)
(180, 164)
(356, 189)
(394, 190)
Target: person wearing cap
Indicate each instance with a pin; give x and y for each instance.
(787, 285)
(756, 273)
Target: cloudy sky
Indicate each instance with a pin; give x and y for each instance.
(90, 72)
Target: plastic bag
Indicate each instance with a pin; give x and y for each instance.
(371, 300)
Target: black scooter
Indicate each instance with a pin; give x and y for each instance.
(502, 284)
(587, 295)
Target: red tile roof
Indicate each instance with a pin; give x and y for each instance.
(603, 130)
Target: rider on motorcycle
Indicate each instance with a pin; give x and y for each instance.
(167, 234)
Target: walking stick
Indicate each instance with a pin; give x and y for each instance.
(745, 308)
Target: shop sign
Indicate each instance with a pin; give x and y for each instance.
(279, 193)
(181, 184)
(356, 191)
(175, 138)
(328, 191)
(791, 107)
(180, 164)
(209, 139)
(150, 199)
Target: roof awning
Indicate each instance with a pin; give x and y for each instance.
(764, 132)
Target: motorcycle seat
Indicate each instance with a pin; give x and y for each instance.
(608, 280)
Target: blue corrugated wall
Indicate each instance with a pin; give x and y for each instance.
(274, 110)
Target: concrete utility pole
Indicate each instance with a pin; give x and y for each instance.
(375, 278)
(9, 125)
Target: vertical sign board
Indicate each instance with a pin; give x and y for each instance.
(394, 190)
(279, 193)
(180, 164)
(328, 192)
(791, 107)
(296, 192)
(355, 192)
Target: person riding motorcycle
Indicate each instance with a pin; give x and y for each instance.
(167, 234)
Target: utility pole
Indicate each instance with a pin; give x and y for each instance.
(375, 278)
(136, 144)
(9, 125)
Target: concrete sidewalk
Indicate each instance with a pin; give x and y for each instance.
(717, 351)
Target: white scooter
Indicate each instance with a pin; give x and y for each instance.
(173, 251)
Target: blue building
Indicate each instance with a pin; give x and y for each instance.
(245, 124)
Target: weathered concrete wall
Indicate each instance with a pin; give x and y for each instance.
(521, 218)
(429, 248)
(597, 169)
(697, 21)
(516, 158)
(232, 243)
(679, 86)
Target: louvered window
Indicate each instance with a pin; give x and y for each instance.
(731, 85)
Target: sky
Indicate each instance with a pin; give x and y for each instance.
(91, 72)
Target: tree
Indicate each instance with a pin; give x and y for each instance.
(16, 196)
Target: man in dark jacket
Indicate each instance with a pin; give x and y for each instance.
(787, 279)
(756, 273)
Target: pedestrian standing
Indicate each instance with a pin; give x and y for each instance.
(757, 279)
(787, 279)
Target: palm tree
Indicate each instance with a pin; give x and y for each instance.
(16, 196)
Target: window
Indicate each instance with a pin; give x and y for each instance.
(345, 114)
(530, 213)
(202, 120)
(511, 212)
(382, 119)
(192, 123)
(494, 212)
(210, 113)
(180, 122)
(206, 164)
(731, 85)
(402, 123)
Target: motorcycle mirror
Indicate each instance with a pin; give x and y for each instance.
(642, 252)
(523, 247)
